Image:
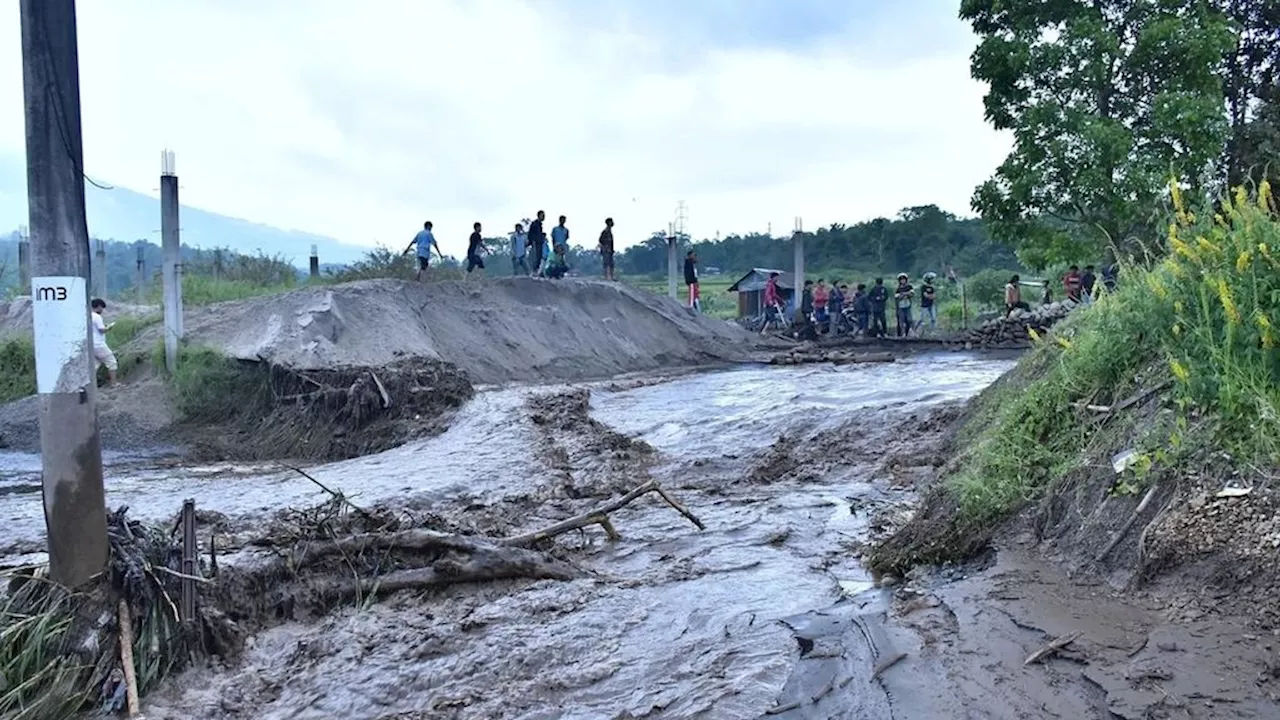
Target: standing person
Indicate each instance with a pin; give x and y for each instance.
(951, 275)
(606, 249)
(425, 240)
(902, 296)
(1046, 298)
(835, 305)
(928, 298)
(1087, 282)
(820, 298)
(560, 242)
(1013, 295)
(537, 243)
(519, 244)
(102, 354)
(879, 298)
(806, 303)
(475, 246)
(862, 308)
(1071, 283)
(773, 302)
(691, 279)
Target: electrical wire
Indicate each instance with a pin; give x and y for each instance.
(54, 92)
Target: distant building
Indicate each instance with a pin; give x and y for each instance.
(750, 289)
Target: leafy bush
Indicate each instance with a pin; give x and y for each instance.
(1204, 317)
(17, 369)
(985, 289)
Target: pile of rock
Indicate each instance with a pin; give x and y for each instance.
(1013, 330)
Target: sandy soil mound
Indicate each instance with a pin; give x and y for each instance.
(511, 329)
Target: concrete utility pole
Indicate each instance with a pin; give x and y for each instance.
(672, 262)
(99, 268)
(141, 273)
(171, 246)
(798, 240)
(70, 449)
(315, 262)
(24, 259)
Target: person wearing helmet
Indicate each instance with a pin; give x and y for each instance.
(928, 304)
(902, 296)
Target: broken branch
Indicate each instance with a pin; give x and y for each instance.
(1146, 500)
(600, 516)
(1052, 647)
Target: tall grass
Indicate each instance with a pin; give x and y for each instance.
(1203, 316)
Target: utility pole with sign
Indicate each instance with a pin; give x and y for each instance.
(70, 449)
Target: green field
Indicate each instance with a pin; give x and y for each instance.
(716, 301)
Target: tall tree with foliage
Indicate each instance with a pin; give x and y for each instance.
(1105, 99)
(1251, 72)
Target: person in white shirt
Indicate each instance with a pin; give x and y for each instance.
(102, 354)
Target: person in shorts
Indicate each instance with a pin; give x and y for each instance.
(691, 279)
(606, 249)
(102, 355)
(475, 246)
(424, 240)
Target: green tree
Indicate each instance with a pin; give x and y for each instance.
(1250, 73)
(1104, 99)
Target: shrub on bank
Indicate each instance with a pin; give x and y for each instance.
(1202, 320)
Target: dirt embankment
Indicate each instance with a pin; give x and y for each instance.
(497, 331)
(1182, 557)
(339, 371)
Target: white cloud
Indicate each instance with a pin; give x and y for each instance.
(360, 121)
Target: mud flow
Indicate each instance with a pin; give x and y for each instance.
(765, 613)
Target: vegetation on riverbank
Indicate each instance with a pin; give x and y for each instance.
(1195, 332)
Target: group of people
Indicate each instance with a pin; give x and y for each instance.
(528, 248)
(835, 309)
(1077, 286)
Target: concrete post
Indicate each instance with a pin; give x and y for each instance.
(99, 269)
(798, 241)
(70, 449)
(673, 263)
(24, 264)
(141, 278)
(172, 265)
(315, 262)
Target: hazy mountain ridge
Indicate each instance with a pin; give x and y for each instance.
(126, 215)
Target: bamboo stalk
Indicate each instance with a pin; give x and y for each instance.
(126, 658)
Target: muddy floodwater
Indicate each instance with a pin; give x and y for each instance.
(754, 614)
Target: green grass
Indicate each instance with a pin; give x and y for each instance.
(209, 387)
(17, 369)
(1204, 316)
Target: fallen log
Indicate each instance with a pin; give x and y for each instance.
(1052, 647)
(600, 516)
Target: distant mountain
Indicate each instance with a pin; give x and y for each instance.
(125, 215)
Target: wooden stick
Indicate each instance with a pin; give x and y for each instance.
(599, 516)
(382, 390)
(126, 658)
(1052, 647)
(323, 487)
(1146, 500)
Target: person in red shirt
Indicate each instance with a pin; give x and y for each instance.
(820, 297)
(1071, 283)
(773, 302)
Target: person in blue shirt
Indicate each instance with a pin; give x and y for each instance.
(519, 244)
(425, 240)
(560, 242)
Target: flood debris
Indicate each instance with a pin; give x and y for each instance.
(810, 353)
(1052, 647)
(104, 644)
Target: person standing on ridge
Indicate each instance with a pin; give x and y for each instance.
(102, 354)
(902, 296)
(1071, 283)
(835, 305)
(425, 240)
(879, 298)
(691, 279)
(820, 298)
(560, 243)
(862, 308)
(537, 243)
(1087, 282)
(519, 244)
(1013, 296)
(773, 303)
(928, 298)
(606, 249)
(475, 246)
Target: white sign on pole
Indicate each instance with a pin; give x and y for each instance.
(58, 310)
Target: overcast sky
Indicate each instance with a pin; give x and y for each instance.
(361, 120)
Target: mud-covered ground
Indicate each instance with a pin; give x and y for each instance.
(766, 613)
